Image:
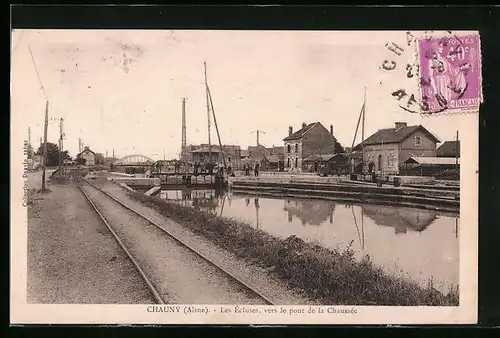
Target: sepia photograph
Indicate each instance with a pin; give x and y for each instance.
(209, 176)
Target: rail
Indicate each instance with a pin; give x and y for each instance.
(175, 238)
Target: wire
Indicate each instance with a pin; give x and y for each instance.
(38, 75)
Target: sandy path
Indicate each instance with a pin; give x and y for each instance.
(72, 257)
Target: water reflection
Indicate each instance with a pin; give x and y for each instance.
(422, 244)
(309, 212)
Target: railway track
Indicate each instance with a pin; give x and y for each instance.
(154, 290)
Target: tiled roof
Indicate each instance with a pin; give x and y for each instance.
(299, 133)
(394, 135)
(79, 154)
(448, 148)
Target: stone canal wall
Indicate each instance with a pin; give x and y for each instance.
(432, 197)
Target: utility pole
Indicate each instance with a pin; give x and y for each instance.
(457, 150)
(113, 153)
(45, 126)
(30, 148)
(46, 119)
(61, 147)
(258, 132)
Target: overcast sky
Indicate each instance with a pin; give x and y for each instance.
(123, 89)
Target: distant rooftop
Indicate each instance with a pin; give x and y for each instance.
(432, 160)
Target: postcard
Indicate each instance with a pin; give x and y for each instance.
(244, 177)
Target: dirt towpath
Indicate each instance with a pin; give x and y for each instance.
(72, 257)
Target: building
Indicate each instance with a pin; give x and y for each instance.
(201, 153)
(311, 139)
(335, 164)
(268, 158)
(449, 149)
(386, 151)
(446, 168)
(314, 163)
(88, 155)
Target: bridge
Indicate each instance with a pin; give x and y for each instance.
(134, 160)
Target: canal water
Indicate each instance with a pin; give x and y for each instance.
(419, 244)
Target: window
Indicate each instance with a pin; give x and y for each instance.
(418, 141)
(296, 162)
(296, 147)
(390, 160)
(288, 148)
(229, 159)
(288, 164)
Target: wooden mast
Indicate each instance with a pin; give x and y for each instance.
(361, 120)
(363, 135)
(217, 128)
(208, 115)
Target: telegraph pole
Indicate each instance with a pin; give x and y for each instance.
(46, 119)
(30, 147)
(45, 126)
(61, 147)
(457, 150)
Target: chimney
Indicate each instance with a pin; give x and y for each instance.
(86, 148)
(290, 130)
(399, 125)
(303, 125)
(331, 129)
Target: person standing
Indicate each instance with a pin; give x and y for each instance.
(256, 169)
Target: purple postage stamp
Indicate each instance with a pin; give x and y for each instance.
(450, 73)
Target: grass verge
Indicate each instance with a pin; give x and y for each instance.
(331, 276)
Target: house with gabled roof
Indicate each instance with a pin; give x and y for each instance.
(449, 149)
(386, 151)
(311, 139)
(88, 155)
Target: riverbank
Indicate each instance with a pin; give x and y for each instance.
(332, 277)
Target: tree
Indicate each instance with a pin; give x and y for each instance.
(338, 147)
(80, 160)
(99, 158)
(52, 154)
(66, 156)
